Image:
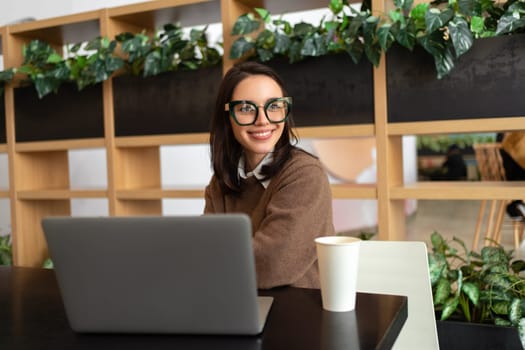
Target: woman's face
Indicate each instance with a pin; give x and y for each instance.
(260, 138)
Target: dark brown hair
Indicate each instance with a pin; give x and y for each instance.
(225, 149)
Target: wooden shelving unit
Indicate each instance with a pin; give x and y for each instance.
(39, 170)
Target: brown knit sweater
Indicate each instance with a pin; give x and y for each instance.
(286, 217)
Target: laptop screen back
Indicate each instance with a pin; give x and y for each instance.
(192, 274)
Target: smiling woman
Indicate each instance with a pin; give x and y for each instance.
(259, 171)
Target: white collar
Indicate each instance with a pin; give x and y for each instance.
(268, 159)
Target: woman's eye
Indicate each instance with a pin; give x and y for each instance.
(275, 106)
(246, 108)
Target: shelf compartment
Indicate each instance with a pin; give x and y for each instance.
(459, 190)
(151, 15)
(178, 102)
(486, 82)
(354, 191)
(336, 131)
(62, 145)
(324, 96)
(52, 118)
(160, 193)
(58, 194)
(29, 245)
(56, 31)
(457, 126)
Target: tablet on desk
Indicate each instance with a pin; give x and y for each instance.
(180, 275)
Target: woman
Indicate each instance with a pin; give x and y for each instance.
(258, 171)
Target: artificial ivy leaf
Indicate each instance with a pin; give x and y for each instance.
(303, 29)
(264, 14)
(442, 292)
(373, 52)
(286, 26)
(282, 43)
(498, 321)
(510, 22)
(477, 25)
(152, 64)
(435, 19)
(245, 24)
(515, 311)
(501, 307)
(265, 40)
(460, 35)
(7, 75)
(240, 47)
(436, 265)
(309, 47)
(405, 5)
(385, 37)
(405, 37)
(264, 54)
(336, 6)
(449, 307)
(44, 86)
(355, 50)
(472, 292)
(295, 52)
(467, 7)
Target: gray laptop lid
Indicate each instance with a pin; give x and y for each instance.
(189, 275)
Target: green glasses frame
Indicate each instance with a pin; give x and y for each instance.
(230, 106)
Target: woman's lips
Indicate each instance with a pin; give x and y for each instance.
(261, 135)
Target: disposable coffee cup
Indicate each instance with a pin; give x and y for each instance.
(338, 257)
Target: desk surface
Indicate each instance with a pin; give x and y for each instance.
(33, 316)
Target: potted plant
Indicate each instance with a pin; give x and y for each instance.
(160, 70)
(420, 43)
(78, 76)
(328, 89)
(483, 289)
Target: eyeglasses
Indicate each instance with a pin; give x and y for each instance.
(246, 112)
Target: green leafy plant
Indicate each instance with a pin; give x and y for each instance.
(167, 50)
(6, 251)
(441, 143)
(481, 287)
(5, 77)
(47, 70)
(445, 31)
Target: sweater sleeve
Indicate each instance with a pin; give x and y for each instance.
(209, 207)
(299, 211)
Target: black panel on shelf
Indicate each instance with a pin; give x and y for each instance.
(3, 136)
(329, 90)
(69, 114)
(170, 103)
(487, 82)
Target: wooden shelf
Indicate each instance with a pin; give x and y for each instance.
(160, 140)
(457, 126)
(459, 190)
(62, 145)
(39, 171)
(160, 193)
(61, 194)
(337, 131)
(151, 15)
(354, 191)
(62, 30)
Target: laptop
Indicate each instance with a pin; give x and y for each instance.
(178, 275)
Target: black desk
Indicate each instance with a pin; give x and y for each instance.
(32, 316)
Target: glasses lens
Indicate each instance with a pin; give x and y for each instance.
(277, 110)
(245, 112)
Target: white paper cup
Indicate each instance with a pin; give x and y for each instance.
(338, 258)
